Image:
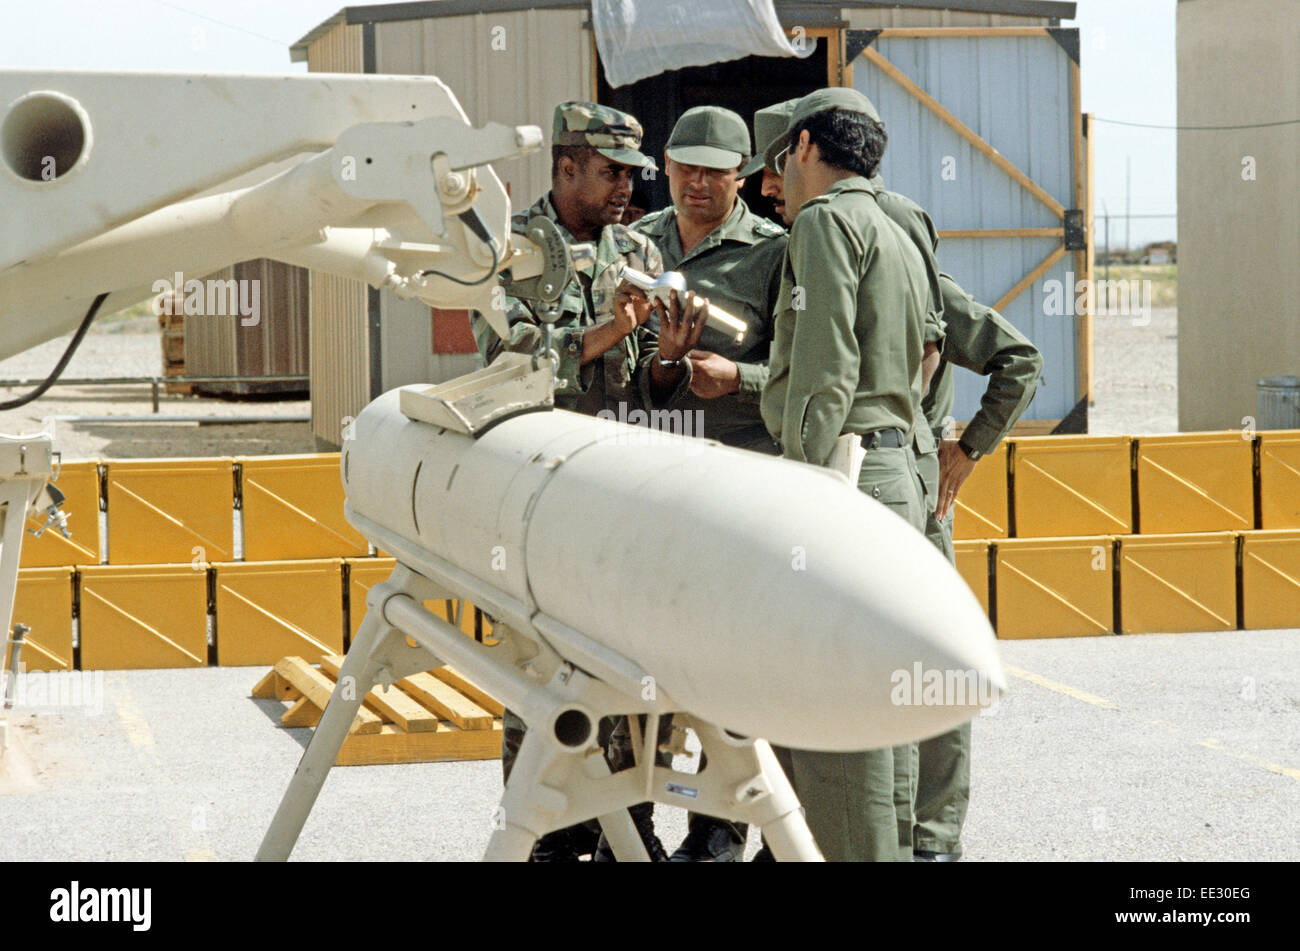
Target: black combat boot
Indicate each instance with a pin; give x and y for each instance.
(711, 840)
(564, 845)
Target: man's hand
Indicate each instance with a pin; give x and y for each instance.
(680, 324)
(955, 468)
(631, 307)
(713, 375)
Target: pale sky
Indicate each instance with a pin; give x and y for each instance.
(1128, 68)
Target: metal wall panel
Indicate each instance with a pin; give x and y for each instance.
(1238, 219)
(338, 51)
(277, 344)
(339, 344)
(1014, 92)
(340, 354)
(546, 60)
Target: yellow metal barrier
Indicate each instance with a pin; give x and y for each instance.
(1068, 486)
(1054, 587)
(293, 508)
(1174, 583)
(1270, 579)
(365, 573)
(43, 602)
(79, 482)
(268, 610)
(1279, 479)
(981, 507)
(137, 616)
(1195, 482)
(171, 511)
(973, 566)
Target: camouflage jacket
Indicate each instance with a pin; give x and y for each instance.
(612, 378)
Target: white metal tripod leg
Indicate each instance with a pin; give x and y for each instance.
(744, 783)
(552, 788)
(327, 740)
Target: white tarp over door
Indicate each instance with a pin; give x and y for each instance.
(641, 38)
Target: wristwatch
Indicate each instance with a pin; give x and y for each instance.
(679, 362)
(971, 454)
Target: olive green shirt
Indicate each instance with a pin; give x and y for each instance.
(588, 299)
(737, 266)
(849, 330)
(983, 341)
(976, 337)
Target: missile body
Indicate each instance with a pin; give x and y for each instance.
(766, 596)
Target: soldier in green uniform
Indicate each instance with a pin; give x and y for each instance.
(846, 358)
(600, 337)
(981, 340)
(768, 125)
(732, 257)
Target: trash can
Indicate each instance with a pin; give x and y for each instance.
(1277, 403)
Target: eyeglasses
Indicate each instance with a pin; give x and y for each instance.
(779, 161)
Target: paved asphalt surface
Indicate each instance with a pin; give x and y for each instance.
(1142, 747)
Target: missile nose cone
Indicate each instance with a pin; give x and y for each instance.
(771, 598)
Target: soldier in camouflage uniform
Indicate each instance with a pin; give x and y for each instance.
(600, 338)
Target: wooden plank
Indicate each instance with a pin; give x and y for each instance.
(453, 677)
(391, 704)
(264, 689)
(275, 687)
(929, 32)
(392, 745)
(447, 702)
(316, 688)
(1003, 233)
(1035, 274)
(302, 713)
(996, 157)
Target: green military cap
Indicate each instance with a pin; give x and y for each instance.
(710, 136)
(613, 134)
(768, 124)
(834, 97)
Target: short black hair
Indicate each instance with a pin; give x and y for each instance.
(582, 154)
(851, 141)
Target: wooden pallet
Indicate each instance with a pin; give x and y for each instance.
(425, 718)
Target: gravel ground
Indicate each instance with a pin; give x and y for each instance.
(133, 348)
(1136, 375)
(1195, 756)
(1136, 393)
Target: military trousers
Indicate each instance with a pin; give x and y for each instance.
(853, 801)
(943, 769)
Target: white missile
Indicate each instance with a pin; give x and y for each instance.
(768, 597)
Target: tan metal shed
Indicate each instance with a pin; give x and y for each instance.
(511, 61)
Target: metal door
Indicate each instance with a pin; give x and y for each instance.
(985, 133)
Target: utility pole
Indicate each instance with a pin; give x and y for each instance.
(1128, 207)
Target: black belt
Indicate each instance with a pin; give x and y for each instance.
(884, 439)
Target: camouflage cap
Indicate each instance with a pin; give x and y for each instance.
(768, 124)
(613, 134)
(833, 97)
